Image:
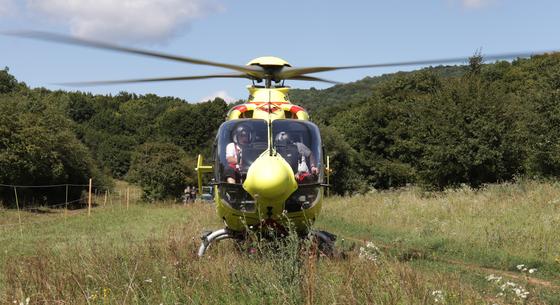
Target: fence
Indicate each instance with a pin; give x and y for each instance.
(75, 196)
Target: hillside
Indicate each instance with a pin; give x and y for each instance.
(319, 102)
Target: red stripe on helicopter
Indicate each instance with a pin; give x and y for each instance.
(296, 109)
(273, 103)
(269, 107)
(240, 108)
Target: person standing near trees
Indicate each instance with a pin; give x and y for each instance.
(193, 193)
(187, 194)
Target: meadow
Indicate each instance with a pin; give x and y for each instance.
(495, 245)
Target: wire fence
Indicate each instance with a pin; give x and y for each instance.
(66, 197)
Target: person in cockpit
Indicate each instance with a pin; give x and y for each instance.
(234, 151)
(304, 156)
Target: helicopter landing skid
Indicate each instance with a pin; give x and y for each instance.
(325, 242)
(209, 237)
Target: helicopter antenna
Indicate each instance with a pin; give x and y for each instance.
(270, 122)
(268, 82)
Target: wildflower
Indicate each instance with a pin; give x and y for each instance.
(148, 280)
(92, 296)
(494, 278)
(508, 287)
(22, 303)
(438, 296)
(106, 292)
(370, 252)
(532, 270)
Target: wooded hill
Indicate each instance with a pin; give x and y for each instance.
(437, 127)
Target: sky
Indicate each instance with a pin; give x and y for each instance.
(304, 33)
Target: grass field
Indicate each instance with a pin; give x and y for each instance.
(402, 247)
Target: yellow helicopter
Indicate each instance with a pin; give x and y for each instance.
(269, 169)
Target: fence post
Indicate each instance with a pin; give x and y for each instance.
(66, 202)
(89, 198)
(328, 176)
(19, 213)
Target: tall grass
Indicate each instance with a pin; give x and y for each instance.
(147, 255)
(500, 226)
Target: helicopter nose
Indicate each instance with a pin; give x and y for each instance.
(270, 178)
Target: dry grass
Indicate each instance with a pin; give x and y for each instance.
(516, 221)
(147, 255)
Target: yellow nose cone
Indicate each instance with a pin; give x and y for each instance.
(270, 177)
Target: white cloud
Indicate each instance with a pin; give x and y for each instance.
(221, 94)
(136, 21)
(8, 8)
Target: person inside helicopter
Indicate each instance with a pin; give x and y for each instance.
(298, 155)
(242, 136)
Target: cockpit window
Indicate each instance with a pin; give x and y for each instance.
(299, 143)
(240, 142)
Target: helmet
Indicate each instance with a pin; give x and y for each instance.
(282, 138)
(240, 131)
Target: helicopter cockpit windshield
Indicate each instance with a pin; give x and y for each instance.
(299, 143)
(240, 143)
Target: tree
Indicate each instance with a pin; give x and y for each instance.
(161, 169)
(38, 147)
(8, 82)
(192, 126)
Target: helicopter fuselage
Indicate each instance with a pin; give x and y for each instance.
(278, 174)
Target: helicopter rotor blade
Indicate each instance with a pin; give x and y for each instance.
(156, 79)
(254, 71)
(315, 79)
(289, 72)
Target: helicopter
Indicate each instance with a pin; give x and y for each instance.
(268, 163)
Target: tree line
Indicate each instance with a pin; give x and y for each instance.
(437, 127)
(447, 126)
(57, 137)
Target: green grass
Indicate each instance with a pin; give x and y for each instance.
(446, 242)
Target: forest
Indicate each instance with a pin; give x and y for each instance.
(437, 127)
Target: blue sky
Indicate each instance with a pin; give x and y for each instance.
(304, 32)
